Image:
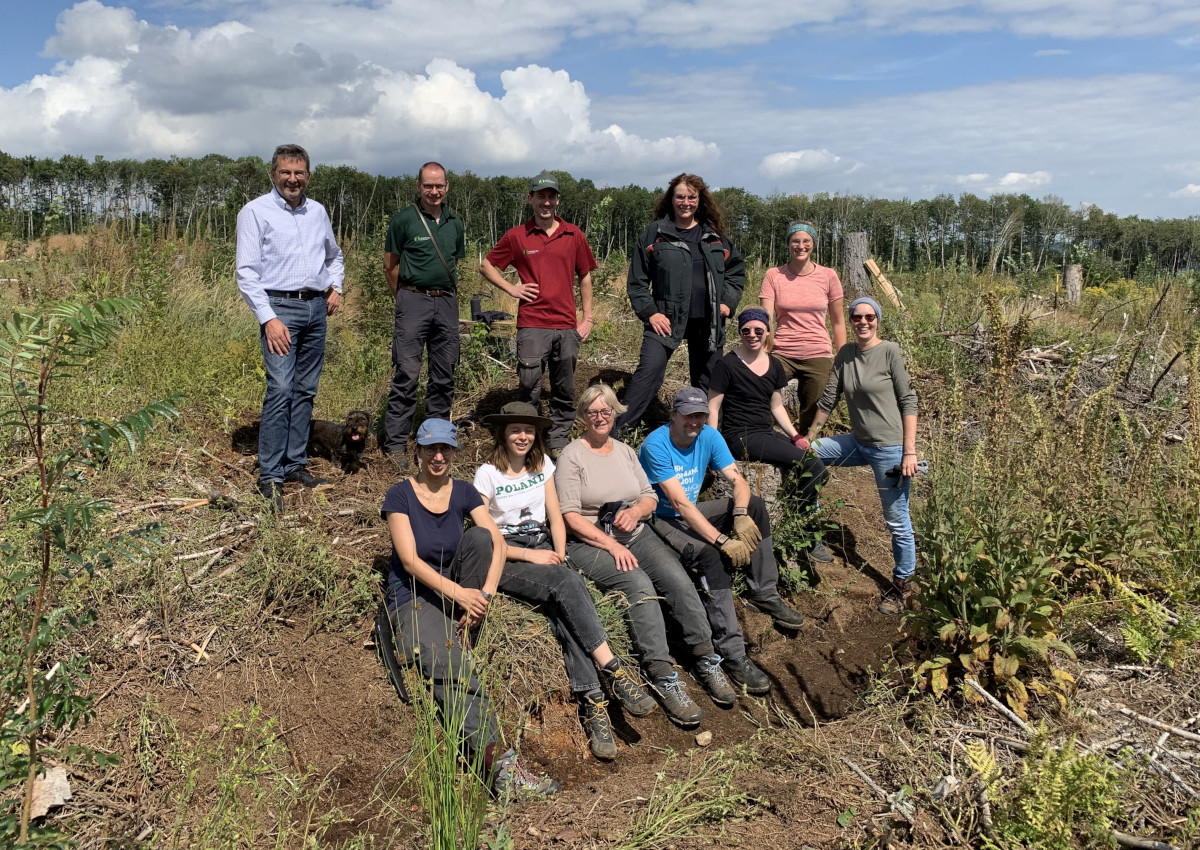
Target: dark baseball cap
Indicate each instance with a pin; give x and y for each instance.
(690, 400)
(545, 180)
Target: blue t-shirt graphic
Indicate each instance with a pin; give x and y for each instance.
(663, 460)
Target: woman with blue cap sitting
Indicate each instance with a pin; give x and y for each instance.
(745, 403)
(439, 584)
(882, 404)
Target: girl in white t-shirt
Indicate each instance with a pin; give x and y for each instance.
(518, 489)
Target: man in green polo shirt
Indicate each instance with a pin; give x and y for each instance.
(424, 242)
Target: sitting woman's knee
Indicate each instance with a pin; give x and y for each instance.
(476, 538)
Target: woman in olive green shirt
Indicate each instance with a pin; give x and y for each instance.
(870, 373)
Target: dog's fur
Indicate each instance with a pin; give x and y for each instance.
(341, 442)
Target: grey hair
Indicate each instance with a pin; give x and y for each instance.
(593, 392)
(290, 152)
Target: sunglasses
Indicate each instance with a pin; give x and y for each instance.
(753, 331)
(863, 317)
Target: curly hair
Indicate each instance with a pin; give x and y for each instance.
(707, 211)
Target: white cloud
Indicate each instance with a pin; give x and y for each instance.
(918, 144)
(1014, 182)
(1042, 54)
(128, 89)
(406, 34)
(791, 163)
(1191, 190)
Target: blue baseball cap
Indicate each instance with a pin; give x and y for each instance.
(434, 431)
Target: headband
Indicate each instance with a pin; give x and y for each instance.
(871, 301)
(797, 226)
(753, 314)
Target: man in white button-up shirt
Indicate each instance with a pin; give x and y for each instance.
(290, 271)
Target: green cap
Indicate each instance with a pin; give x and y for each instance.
(545, 180)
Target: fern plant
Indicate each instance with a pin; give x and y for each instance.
(44, 542)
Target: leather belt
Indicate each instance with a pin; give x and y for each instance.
(432, 293)
(298, 294)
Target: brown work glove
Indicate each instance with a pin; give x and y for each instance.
(737, 551)
(747, 530)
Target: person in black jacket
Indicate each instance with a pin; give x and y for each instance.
(685, 279)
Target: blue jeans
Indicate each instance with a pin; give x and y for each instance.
(292, 380)
(844, 450)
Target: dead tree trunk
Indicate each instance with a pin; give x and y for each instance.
(1073, 282)
(854, 254)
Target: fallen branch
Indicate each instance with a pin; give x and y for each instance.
(1140, 843)
(1158, 380)
(999, 706)
(1158, 724)
(985, 808)
(241, 526)
(1158, 767)
(863, 776)
(195, 556)
(200, 653)
(209, 454)
(27, 466)
(156, 505)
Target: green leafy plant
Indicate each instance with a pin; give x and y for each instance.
(1060, 799)
(987, 595)
(47, 540)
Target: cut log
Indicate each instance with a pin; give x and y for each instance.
(854, 255)
(1073, 282)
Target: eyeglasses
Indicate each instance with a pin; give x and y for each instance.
(602, 413)
(864, 317)
(753, 331)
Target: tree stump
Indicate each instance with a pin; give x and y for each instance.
(854, 254)
(1073, 281)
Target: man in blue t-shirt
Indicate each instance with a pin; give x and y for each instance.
(717, 532)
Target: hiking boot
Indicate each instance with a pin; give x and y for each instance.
(301, 475)
(778, 611)
(894, 597)
(627, 691)
(675, 700)
(711, 677)
(272, 491)
(593, 714)
(511, 780)
(819, 554)
(744, 673)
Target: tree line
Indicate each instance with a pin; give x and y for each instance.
(198, 198)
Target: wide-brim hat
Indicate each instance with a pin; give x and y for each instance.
(517, 411)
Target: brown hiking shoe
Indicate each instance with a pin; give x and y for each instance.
(894, 597)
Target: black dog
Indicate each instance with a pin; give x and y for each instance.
(341, 443)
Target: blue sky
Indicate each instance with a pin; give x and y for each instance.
(1094, 101)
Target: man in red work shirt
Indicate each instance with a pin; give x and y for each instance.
(548, 254)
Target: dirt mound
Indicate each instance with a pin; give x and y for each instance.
(338, 716)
